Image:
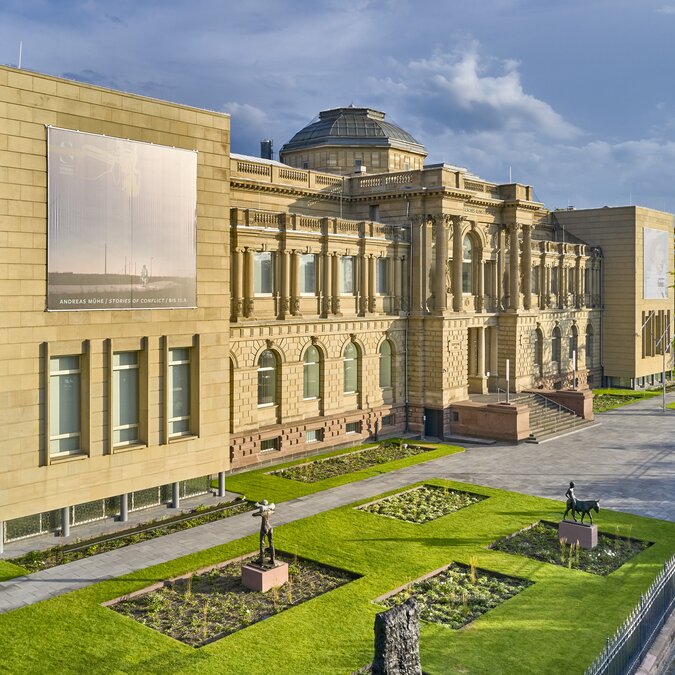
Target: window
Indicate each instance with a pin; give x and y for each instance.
(313, 435)
(65, 405)
(534, 279)
(554, 280)
(308, 274)
(269, 445)
(353, 428)
(179, 392)
(539, 351)
(382, 276)
(555, 346)
(351, 368)
(385, 365)
(374, 212)
(467, 265)
(263, 274)
(574, 343)
(570, 280)
(125, 404)
(311, 373)
(267, 378)
(589, 346)
(387, 420)
(347, 274)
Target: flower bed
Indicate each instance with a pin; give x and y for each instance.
(541, 542)
(60, 555)
(349, 462)
(204, 607)
(457, 595)
(422, 504)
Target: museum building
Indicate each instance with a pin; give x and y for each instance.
(172, 311)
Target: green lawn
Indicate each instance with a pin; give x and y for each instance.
(608, 399)
(9, 570)
(558, 624)
(260, 484)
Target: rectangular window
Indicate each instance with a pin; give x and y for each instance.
(269, 445)
(347, 274)
(554, 279)
(382, 276)
(387, 420)
(314, 436)
(308, 274)
(65, 405)
(125, 404)
(374, 212)
(263, 274)
(179, 392)
(353, 428)
(535, 279)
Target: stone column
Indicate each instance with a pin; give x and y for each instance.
(285, 283)
(457, 263)
(335, 284)
(396, 286)
(363, 284)
(326, 277)
(237, 282)
(480, 299)
(405, 283)
(440, 286)
(579, 299)
(526, 266)
(295, 283)
(370, 260)
(562, 282)
(547, 284)
(514, 267)
(248, 283)
(501, 264)
(481, 352)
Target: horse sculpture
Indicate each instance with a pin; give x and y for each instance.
(584, 508)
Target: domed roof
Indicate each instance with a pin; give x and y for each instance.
(352, 126)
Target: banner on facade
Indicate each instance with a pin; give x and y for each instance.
(121, 223)
(655, 264)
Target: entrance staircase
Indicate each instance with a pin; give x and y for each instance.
(549, 419)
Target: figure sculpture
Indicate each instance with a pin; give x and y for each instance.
(577, 506)
(264, 511)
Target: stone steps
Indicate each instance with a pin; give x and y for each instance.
(546, 420)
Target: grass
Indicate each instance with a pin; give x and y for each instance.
(9, 570)
(567, 610)
(608, 399)
(263, 484)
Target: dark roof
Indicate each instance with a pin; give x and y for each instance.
(352, 126)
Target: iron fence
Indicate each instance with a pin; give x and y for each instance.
(625, 650)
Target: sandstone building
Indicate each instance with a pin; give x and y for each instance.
(348, 292)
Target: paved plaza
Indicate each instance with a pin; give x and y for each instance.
(626, 461)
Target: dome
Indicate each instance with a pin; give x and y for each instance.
(352, 126)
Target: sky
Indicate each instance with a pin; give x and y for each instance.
(573, 97)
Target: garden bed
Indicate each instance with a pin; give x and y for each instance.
(422, 504)
(205, 606)
(541, 542)
(457, 594)
(60, 555)
(349, 462)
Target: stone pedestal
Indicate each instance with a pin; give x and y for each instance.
(586, 535)
(259, 578)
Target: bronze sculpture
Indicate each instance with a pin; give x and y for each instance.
(577, 506)
(264, 511)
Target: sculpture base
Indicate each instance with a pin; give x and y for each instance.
(586, 535)
(261, 579)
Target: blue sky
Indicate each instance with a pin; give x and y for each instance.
(576, 96)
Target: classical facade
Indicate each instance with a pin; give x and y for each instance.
(348, 293)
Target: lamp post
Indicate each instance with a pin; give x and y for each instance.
(507, 382)
(664, 349)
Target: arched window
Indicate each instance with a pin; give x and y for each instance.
(311, 373)
(267, 378)
(351, 369)
(555, 347)
(539, 351)
(589, 346)
(385, 365)
(574, 343)
(467, 265)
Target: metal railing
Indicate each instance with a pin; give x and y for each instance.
(626, 649)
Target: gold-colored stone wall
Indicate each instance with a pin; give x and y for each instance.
(29, 483)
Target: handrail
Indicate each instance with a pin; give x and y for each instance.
(560, 405)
